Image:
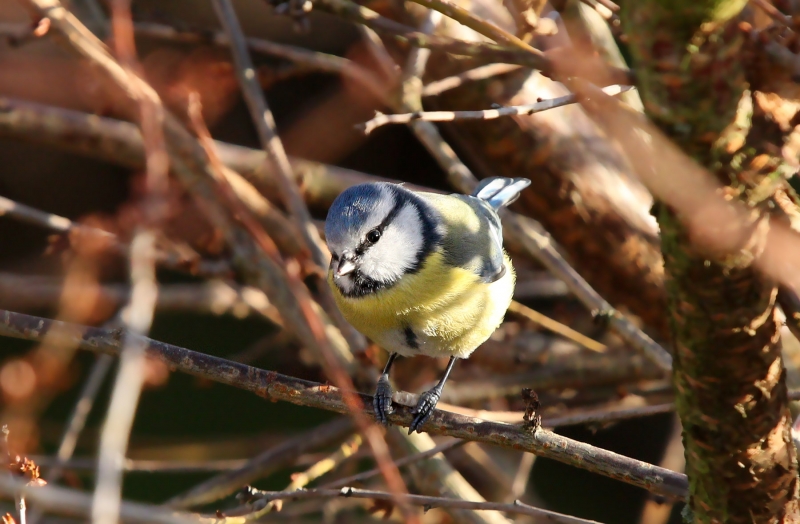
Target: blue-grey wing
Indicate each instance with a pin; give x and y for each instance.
(479, 251)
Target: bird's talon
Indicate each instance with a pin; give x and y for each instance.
(424, 409)
(382, 401)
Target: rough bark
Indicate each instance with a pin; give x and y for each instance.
(728, 372)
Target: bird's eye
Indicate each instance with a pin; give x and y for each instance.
(373, 236)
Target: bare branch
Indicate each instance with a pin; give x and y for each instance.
(80, 413)
(262, 465)
(484, 114)
(772, 12)
(432, 502)
(556, 327)
(214, 297)
(438, 87)
(61, 224)
(405, 461)
(79, 504)
(312, 59)
(488, 29)
(139, 313)
(274, 386)
(301, 480)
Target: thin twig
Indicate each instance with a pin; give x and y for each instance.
(438, 478)
(538, 243)
(301, 480)
(438, 87)
(262, 465)
(772, 12)
(79, 504)
(267, 133)
(608, 4)
(282, 171)
(580, 419)
(80, 414)
(138, 318)
(312, 59)
(405, 461)
(484, 27)
(381, 119)
(556, 327)
(36, 217)
(274, 386)
(420, 500)
(215, 297)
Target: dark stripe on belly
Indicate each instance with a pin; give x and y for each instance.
(411, 338)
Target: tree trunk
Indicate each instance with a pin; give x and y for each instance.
(728, 372)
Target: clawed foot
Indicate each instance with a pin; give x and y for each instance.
(425, 406)
(382, 401)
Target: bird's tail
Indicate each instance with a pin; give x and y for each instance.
(500, 191)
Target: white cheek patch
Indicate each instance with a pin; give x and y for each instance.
(397, 250)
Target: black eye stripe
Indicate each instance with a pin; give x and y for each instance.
(396, 208)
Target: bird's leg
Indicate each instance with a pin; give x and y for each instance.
(428, 400)
(382, 401)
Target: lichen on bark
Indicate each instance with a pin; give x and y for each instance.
(728, 373)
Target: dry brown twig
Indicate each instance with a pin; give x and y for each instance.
(280, 387)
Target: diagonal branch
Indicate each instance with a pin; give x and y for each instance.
(274, 386)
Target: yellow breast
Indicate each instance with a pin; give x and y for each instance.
(449, 309)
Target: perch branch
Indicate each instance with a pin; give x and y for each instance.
(274, 386)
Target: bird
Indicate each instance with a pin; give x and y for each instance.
(421, 273)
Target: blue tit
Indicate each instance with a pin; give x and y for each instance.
(421, 273)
